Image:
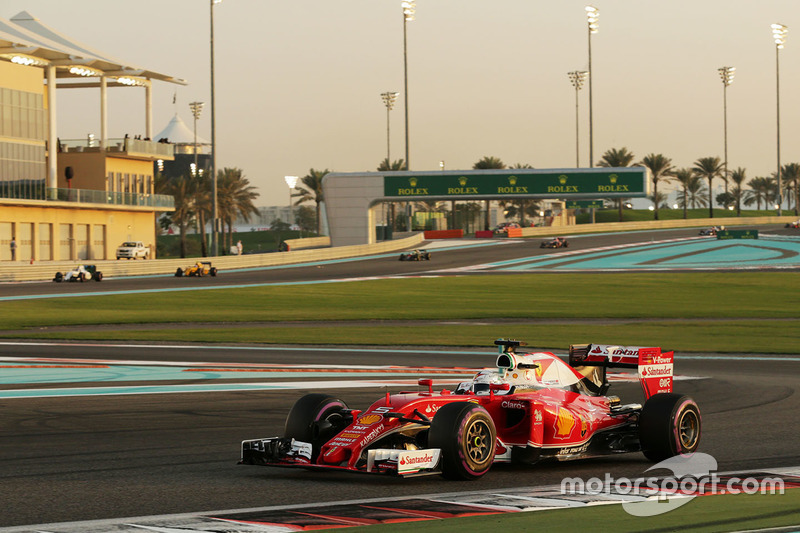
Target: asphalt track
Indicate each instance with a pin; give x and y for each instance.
(135, 453)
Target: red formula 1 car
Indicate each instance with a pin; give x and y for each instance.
(532, 406)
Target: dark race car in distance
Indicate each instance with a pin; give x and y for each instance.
(712, 231)
(555, 242)
(415, 255)
(531, 406)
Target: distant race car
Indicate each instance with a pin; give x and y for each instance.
(503, 227)
(532, 406)
(415, 255)
(555, 242)
(79, 273)
(712, 231)
(200, 269)
(795, 224)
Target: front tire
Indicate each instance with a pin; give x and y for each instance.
(59, 277)
(315, 418)
(467, 437)
(213, 272)
(98, 276)
(178, 272)
(669, 425)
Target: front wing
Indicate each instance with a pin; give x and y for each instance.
(286, 452)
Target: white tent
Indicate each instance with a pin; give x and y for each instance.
(179, 134)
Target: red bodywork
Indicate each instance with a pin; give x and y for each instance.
(546, 405)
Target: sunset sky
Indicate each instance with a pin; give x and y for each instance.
(298, 82)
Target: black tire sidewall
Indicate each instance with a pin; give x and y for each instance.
(306, 411)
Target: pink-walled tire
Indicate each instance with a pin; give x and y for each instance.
(669, 425)
(465, 433)
(315, 418)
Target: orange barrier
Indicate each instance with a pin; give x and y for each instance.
(514, 232)
(444, 234)
(484, 234)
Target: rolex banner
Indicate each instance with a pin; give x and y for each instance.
(617, 182)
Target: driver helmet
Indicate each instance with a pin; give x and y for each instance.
(485, 378)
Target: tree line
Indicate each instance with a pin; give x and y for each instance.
(194, 205)
(739, 190)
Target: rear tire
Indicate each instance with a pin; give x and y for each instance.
(315, 418)
(59, 277)
(178, 272)
(98, 276)
(669, 425)
(467, 437)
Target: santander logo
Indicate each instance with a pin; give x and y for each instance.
(427, 458)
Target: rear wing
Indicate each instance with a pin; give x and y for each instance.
(654, 367)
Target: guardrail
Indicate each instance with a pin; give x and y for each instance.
(650, 225)
(45, 271)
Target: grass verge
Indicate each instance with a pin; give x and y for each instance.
(734, 336)
(741, 512)
(687, 311)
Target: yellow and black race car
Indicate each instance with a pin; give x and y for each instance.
(200, 269)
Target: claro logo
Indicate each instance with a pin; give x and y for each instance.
(512, 405)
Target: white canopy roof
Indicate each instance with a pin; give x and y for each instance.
(26, 36)
(177, 132)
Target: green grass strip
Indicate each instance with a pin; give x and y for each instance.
(724, 336)
(649, 295)
(704, 514)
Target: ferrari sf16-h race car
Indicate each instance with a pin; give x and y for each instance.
(555, 242)
(532, 406)
(795, 224)
(79, 273)
(415, 255)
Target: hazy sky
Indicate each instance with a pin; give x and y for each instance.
(298, 82)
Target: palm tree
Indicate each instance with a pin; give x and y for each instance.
(760, 190)
(235, 198)
(697, 193)
(487, 162)
(791, 177)
(684, 176)
(397, 164)
(201, 192)
(737, 177)
(312, 192)
(180, 188)
(661, 168)
(709, 168)
(615, 158)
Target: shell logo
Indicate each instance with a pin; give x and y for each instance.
(412, 182)
(613, 178)
(562, 179)
(368, 420)
(564, 423)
